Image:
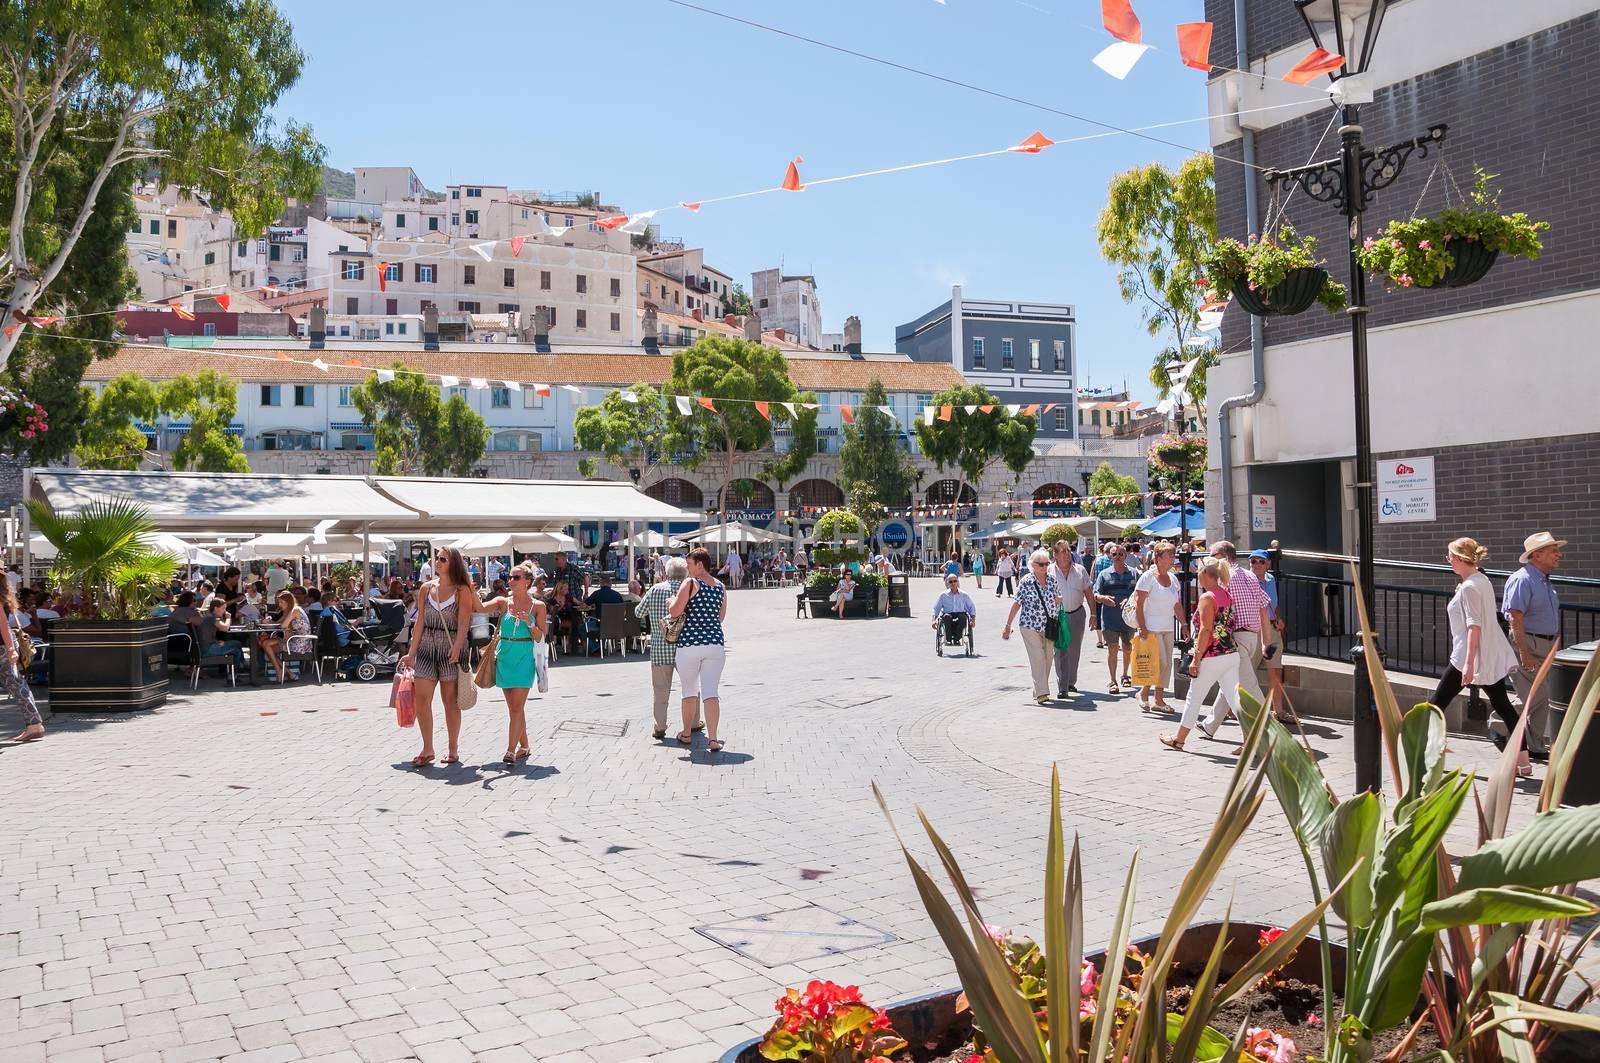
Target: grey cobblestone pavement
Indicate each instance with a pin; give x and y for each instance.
(259, 875)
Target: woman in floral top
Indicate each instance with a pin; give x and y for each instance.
(1216, 655)
(1038, 600)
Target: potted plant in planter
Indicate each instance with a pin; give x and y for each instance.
(111, 654)
(1455, 249)
(1281, 274)
(1177, 453)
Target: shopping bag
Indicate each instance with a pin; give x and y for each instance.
(1146, 669)
(1063, 631)
(541, 666)
(400, 696)
(466, 689)
(486, 663)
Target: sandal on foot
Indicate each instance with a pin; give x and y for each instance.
(523, 752)
(422, 760)
(714, 746)
(1172, 743)
(451, 759)
(510, 759)
(684, 738)
(1127, 680)
(1115, 689)
(659, 733)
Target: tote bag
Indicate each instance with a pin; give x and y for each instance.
(1063, 630)
(466, 689)
(400, 696)
(485, 674)
(541, 666)
(1146, 668)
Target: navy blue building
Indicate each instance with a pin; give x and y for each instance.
(1023, 352)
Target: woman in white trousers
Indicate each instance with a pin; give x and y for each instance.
(1216, 655)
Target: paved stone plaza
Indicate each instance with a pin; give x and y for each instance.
(260, 875)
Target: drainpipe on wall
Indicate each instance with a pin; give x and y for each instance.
(1258, 361)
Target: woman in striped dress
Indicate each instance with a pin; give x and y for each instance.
(703, 603)
(438, 641)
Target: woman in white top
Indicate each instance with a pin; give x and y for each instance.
(1480, 654)
(1005, 570)
(1160, 606)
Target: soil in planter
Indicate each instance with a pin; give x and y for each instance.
(1286, 1008)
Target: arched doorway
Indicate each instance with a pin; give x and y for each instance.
(676, 492)
(750, 501)
(813, 493)
(1056, 500)
(943, 493)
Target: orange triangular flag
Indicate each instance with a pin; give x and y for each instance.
(223, 301)
(516, 246)
(11, 330)
(708, 404)
(1317, 63)
(1050, 407)
(987, 409)
(353, 363)
(847, 414)
(383, 281)
(612, 222)
(693, 208)
(1034, 144)
(42, 320)
(181, 312)
(791, 177)
(1121, 22)
(1030, 409)
(761, 408)
(945, 412)
(1194, 44)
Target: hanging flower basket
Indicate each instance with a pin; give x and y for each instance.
(1280, 275)
(1457, 248)
(22, 421)
(1175, 453)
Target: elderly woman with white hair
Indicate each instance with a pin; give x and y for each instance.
(1039, 601)
(663, 654)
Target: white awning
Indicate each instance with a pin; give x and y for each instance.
(734, 532)
(496, 543)
(42, 549)
(1093, 527)
(222, 502)
(519, 505)
(330, 548)
(652, 540)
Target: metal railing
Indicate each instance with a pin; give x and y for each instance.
(1316, 600)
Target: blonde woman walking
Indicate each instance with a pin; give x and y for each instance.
(522, 625)
(1160, 607)
(1216, 654)
(1038, 601)
(438, 639)
(1480, 654)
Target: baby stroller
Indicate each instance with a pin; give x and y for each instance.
(370, 651)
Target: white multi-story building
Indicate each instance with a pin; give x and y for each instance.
(382, 183)
(180, 244)
(789, 303)
(703, 288)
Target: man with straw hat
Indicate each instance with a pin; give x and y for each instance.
(1534, 613)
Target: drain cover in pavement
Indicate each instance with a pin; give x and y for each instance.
(604, 728)
(842, 701)
(794, 935)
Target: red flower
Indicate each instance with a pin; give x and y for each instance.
(881, 1021)
(1267, 937)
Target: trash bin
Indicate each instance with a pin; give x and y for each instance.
(900, 595)
(1583, 784)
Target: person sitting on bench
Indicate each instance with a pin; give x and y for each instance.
(845, 591)
(955, 610)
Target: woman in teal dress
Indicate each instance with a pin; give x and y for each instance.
(522, 624)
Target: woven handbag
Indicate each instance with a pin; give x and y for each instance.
(486, 662)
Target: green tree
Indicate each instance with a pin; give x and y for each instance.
(181, 91)
(1156, 228)
(207, 400)
(1107, 481)
(413, 433)
(723, 367)
(872, 456)
(107, 438)
(1059, 533)
(972, 442)
(631, 435)
(738, 301)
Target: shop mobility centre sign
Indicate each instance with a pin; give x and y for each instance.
(1405, 490)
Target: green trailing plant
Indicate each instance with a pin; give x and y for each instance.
(1418, 252)
(104, 553)
(1263, 264)
(1497, 929)
(1017, 1030)
(1177, 453)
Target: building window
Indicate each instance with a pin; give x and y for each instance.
(978, 361)
(583, 319)
(1006, 360)
(467, 306)
(155, 227)
(211, 258)
(532, 400)
(274, 253)
(399, 221)
(469, 274)
(209, 329)
(1033, 354)
(433, 225)
(524, 213)
(393, 271)
(352, 270)
(472, 217)
(663, 293)
(544, 280)
(352, 304)
(583, 283)
(427, 273)
(616, 287)
(455, 193)
(172, 228)
(1061, 356)
(391, 306)
(552, 311)
(244, 247)
(500, 398)
(271, 395)
(388, 330)
(402, 328)
(570, 222)
(616, 322)
(1094, 418)
(763, 305)
(474, 193)
(509, 308)
(510, 277)
(455, 220)
(355, 441)
(304, 395)
(1061, 418)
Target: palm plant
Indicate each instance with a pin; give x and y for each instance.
(105, 554)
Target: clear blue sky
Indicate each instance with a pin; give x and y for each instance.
(648, 104)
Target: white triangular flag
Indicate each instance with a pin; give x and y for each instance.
(449, 381)
(385, 375)
(810, 405)
(320, 364)
(790, 407)
(638, 223)
(484, 250)
(970, 409)
(927, 414)
(888, 410)
(544, 389)
(683, 404)
(512, 384)
(478, 382)
(1013, 408)
(560, 230)
(1164, 407)
(1119, 56)
(630, 396)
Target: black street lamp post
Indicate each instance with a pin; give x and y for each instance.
(1349, 28)
(1184, 553)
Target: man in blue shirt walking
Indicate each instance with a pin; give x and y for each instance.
(1534, 613)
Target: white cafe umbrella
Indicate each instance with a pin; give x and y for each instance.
(653, 540)
(490, 544)
(734, 532)
(41, 549)
(305, 544)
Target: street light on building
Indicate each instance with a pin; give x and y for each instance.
(1176, 386)
(1349, 28)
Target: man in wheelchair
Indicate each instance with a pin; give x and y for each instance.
(954, 612)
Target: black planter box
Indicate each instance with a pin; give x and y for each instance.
(1583, 785)
(108, 665)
